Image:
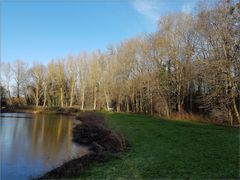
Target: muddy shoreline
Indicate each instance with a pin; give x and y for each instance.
(102, 142)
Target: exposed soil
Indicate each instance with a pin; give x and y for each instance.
(94, 133)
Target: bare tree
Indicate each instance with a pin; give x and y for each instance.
(19, 74)
(6, 76)
(37, 72)
(72, 72)
(83, 73)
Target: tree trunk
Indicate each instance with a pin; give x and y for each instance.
(234, 101)
(230, 118)
(45, 96)
(235, 109)
(106, 98)
(151, 104)
(37, 94)
(83, 98)
(179, 105)
(179, 108)
(94, 98)
(9, 94)
(140, 101)
(137, 103)
(133, 103)
(191, 101)
(61, 96)
(167, 110)
(18, 90)
(118, 104)
(179, 83)
(71, 94)
(127, 101)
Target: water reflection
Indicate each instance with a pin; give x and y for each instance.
(31, 146)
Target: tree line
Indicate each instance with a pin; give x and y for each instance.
(191, 64)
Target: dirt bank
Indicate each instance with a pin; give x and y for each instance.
(102, 142)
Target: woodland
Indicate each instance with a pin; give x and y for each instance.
(189, 66)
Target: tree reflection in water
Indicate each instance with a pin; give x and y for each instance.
(31, 146)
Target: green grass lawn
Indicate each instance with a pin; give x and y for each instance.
(170, 149)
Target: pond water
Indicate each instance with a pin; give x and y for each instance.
(34, 144)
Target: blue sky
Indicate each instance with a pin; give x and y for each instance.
(45, 30)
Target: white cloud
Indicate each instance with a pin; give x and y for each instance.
(148, 8)
(187, 8)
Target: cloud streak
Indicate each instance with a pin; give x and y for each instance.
(148, 8)
(187, 8)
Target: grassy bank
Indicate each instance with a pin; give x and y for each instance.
(44, 110)
(170, 149)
